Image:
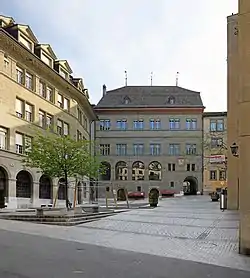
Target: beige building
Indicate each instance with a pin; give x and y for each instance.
(150, 137)
(237, 122)
(214, 151)
(37, 90)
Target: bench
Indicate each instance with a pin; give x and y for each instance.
(40, 211)
(90, 208)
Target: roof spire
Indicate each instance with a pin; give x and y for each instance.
(151, 78)
(177, 78)
(126, 78)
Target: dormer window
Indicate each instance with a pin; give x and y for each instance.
(63, 73)
(46, 59)
(126, 100)
(26, 42)
(171, 100)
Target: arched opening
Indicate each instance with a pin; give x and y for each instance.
(45, 187)
(3, 182)
(24, 184)
(62, 189)
(121, 195)
(138, 171)
(190, 186)
(106, 171)
(79, 193)
(154, 171)
(121, 171)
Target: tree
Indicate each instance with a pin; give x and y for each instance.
(62, 156)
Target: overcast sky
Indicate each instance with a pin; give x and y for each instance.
(102, 38)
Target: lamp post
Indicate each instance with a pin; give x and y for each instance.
(234, 149)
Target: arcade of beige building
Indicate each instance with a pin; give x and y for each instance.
(238, 119)
(37, 90)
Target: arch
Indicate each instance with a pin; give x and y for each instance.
(24, 184)
(191, 185)
(121, 171)
(79, 193)
(45, 187)
(62, 189)
(154, 172)
(106, 171)
(121, 194)
(138, 171)
(4, 182)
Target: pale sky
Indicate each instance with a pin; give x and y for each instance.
(103, 38)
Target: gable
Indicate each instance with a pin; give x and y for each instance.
(47, 49)
(25, 29)
(64, 64)
(6, 20)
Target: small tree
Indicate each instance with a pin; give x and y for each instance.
(61, 156)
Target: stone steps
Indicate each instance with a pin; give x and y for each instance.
(61, 220)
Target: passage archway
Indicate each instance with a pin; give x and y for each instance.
(190, 186)
(45, 187)
(62, 189)
(154, 169)
(24, 184)
(3, 182)
(121, 195)
(138, 171)
(106, 171)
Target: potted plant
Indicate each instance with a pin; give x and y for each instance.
(153, 197)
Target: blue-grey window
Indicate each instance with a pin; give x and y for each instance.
(121, 149)
(174, 123)
(217, 125)
(174, 149)
(121, 124)
(138, 124)
(138, 149)
(191, 124)
(155, 124)
(155, 149)
(105, 124)
(191, 149)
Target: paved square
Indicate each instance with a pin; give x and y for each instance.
(190, 228)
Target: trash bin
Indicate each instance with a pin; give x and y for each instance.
(223, 199)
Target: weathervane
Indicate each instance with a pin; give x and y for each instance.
(177, 78)
(126, 78)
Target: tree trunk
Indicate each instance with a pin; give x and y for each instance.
(66, 188)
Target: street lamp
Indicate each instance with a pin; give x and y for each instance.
(234, 149)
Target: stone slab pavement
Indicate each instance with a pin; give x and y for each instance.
(187, 228)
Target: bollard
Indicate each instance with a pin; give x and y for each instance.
(223, 200)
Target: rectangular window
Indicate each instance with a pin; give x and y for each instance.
(42, 89)
(105, 149)
(27, 143)
(49, 121)
(60, 100)
(66, 104)
(138, 149)
(78, 135)
(155, 149)
(191, 149)
(222, 175)
(60, 127)
(121, 149)
(193, 167)
(19, 143)
(174, 149)
(138, 188)
(63, 73)
(65, 129)
(155, 124)
(79, 115)
(29, 81)
(19, 75)
(85, 122)
(188, 167)
(28, 112)
(50, 94)
(42, 119)
(6, 62)
(171, 167)
(217, 125)
(174, 123)
(216, 142)
(191, 124)
(3, 138)
(138, 124)
(213, 175)
(172, 184)
(25, 42)
(19, 108)
(104, 124)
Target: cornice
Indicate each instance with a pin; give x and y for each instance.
(32, 62)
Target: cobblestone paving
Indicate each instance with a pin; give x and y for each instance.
(189, 228)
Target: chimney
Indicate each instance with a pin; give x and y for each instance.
(104, 90)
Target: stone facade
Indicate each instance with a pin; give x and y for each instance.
(214, 150)
(36, 90)
(146, 138)
(238, 115)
